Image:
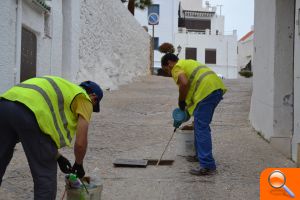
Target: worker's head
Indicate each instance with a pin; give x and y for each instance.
(168, 61)
(95, 93)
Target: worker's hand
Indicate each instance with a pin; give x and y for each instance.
(176, 124)
(182, 105)
(78, 170)
(64, 164)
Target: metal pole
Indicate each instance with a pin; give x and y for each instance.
(153, 31)
(153, 47)
(166, 147)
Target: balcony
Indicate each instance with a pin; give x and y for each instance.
(40, 5)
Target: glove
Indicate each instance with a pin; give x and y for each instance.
(64, 164)
(182, 105)
(176, 124)
(78, 170)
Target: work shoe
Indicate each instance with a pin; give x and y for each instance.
(192, 159)
(202, 171)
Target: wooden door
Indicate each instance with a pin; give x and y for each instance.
(28, 55)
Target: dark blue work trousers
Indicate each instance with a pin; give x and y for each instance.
(203, 115)
(18, 123)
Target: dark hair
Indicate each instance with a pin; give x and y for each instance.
(167, 57)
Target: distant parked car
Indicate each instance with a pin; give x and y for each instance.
(221, 76)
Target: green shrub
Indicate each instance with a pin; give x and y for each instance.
(246, 73)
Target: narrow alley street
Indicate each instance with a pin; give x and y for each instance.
(135, 123)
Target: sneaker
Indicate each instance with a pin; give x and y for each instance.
(202, 171)
(192, 159)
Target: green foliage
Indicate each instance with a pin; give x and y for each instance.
(166, 48)
(142, 4)
(246, 73)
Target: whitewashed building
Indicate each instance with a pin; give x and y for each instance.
(245, 50)
(198, 30)
(77, 40)
(275, 103)
(166, 28)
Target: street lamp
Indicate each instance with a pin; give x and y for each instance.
(178, 49)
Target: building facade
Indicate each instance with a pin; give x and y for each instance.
(72, 39)
(275, 102)
(245, 50)
(198, 30)
(165, 30)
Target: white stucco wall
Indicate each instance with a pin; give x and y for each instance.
(296, 136)
(48, 49)
(71, 35)
(168, 24)
(217, 23)
(245, 52)
(261, 112)
(284, 69)
(7, 43)
(114, 47)
(272, 98)
(195, 5)
(225, 46)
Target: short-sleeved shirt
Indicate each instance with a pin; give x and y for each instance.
(82, 106)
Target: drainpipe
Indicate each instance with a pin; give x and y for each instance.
(173, 17)
(18, 37)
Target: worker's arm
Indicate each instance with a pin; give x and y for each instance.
(183, 83)
(81, 140)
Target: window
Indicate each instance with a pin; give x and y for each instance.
(156, 43)
(210, 56)
(191, 53)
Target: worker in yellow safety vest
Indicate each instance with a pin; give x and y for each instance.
(200, 91)
(44, 114)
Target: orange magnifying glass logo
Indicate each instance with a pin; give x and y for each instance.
(277, 180)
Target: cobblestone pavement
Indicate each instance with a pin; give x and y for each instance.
(135, 123)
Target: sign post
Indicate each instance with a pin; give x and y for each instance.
(153, 20)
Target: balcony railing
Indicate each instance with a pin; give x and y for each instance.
(205, 32)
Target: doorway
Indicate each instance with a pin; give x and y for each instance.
(28, 55)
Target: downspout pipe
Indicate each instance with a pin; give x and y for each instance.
(18, 37)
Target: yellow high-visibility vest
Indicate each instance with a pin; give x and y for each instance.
(50, 99)
(202, 82)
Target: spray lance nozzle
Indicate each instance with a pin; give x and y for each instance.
(179, 117)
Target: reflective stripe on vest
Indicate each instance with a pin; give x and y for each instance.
(195, 72)
(61, 103)
(60, 106)
(202, 76)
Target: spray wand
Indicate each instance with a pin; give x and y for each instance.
(166, 147)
